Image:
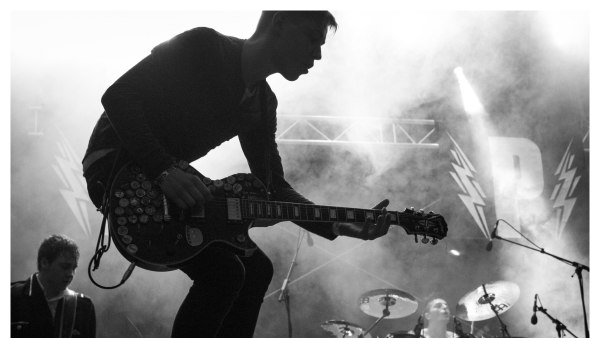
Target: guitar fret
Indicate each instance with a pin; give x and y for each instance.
(296, 211)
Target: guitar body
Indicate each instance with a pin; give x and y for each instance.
(153, 232)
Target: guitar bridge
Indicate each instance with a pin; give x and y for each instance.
(234, 209)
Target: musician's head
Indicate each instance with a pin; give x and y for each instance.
(295, 39)
(437, 310)
(57, 260)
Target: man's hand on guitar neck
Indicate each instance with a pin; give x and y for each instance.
(369, 230)
(186, 190)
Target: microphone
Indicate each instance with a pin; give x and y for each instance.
(309, 239)
(419, 327)
(534, 317)
(489, 246)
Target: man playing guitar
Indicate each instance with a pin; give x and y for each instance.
(189, 95)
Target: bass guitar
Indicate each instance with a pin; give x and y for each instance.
(154, 233)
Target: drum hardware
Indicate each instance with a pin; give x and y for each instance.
(578, 266)
(389, 303)
(474, 305)
(560, 327)
(344, 329)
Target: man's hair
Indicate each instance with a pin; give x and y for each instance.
(321, 18)
(56, 245)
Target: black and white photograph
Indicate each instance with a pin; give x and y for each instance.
(247, 171)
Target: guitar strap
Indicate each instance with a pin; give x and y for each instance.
(265, 124)
(67, 315)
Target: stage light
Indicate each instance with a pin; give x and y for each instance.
(567, 29)
(471, 103)
(454, 252)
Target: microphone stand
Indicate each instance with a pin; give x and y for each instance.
(560, 327)
(489, 301)
(578, 268)
(284, 295)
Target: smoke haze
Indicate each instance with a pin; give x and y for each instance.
(379, 64)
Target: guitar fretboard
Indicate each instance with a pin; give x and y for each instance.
(258, 209)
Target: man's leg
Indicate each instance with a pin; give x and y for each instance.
(218, 276)
(241, 319)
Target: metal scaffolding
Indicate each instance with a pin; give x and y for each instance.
(339, 130)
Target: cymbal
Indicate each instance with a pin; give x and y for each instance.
(343, 329)
(474, 306)
(398, 303)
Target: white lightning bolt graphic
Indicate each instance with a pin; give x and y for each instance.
(70, 172)
(473, 198)
(564, 188)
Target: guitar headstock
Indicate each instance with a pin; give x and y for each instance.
(430, 225)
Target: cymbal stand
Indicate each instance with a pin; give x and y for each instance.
(284, 295)
(578, 268)
(385, 313)
(489, 300)
(560, 327)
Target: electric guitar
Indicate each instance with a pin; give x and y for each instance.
(154, 233)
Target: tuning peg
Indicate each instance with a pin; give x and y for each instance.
(416, 239)
(421, 212)
(425, 240)
(434, 241)
(431, 212)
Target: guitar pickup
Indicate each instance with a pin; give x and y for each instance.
(234, 210)
(198, 212)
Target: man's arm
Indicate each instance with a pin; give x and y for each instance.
(253, 144)
(124, 103)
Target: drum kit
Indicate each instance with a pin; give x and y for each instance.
(485, 302)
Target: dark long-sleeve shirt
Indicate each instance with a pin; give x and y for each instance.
(183, 100)
(30, 314)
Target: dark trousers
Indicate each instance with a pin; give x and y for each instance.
(225, 298)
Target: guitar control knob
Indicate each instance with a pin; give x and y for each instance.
(218, 183)
(132, 248)
(206, 181)
(123, 202)
(240, 238)
(230, 179)
(434, 241)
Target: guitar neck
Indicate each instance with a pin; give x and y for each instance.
(288, 211)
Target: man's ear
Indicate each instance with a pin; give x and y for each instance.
(44, 263)
(277, 22)
(427, 315)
